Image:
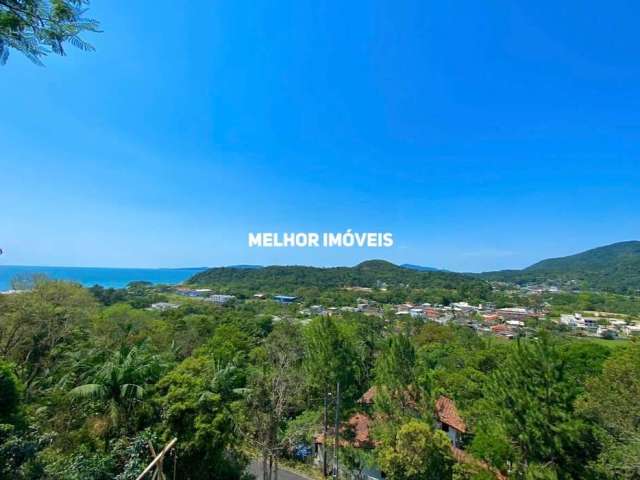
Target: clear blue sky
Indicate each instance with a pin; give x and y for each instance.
(484, 135)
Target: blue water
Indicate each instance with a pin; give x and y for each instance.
(107, 277)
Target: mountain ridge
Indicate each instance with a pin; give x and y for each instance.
(369, 274)
(614, 268)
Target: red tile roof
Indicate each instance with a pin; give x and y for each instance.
(501, 328)
(447, 413)
(359, 424)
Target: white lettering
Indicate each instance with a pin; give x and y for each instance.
(255, 239)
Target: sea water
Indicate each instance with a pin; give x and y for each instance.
(89, 276)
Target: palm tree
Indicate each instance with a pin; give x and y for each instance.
(119, 382)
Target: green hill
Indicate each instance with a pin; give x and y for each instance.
(614, 268)
(372, 274)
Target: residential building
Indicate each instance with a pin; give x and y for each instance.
(617, 324)
(571, 319)
(220, 299)
(591, 324)
(632, 330)
(491, 318)
(190, 292)
(514, 313)
(607, 332)
(502, 330)
(356, 434)
(449, 420)
(285, 299)
(163, 306)
(317, 310)
(515, 323)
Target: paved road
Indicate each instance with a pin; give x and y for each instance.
(255, 468)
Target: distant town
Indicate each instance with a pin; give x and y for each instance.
(484, 318)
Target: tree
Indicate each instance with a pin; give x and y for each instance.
(584, 359)
(417, 453)
(395, 377)
(18, 453)
(365, 333)
(199, 403)
(611, 400)
(39, 27)
(34, 324)
(274, 391)
(229, 343)
(81, 465)
(9, 393)
(18, 446)
(118, 383)
(108, 296)
(329, 358)
(534, 401)
(491, 443)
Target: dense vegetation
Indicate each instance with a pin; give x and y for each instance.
(613, 268)
(299, 280)
(90, 378)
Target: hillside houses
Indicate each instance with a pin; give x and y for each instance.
(357, 432)
(599, 326)
(506, 322)
(631, 330)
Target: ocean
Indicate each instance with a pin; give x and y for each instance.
(107, 277)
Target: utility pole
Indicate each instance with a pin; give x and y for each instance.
(324, 436)
(337, 433)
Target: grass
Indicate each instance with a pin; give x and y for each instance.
(613, 344)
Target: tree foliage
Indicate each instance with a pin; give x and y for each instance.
(37, 28)
(417, 453)
(88, 379)
(612, 400)
(120, 382)
(330, 357)
(533, 399)
(199, 404)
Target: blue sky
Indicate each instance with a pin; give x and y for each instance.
(484, 135)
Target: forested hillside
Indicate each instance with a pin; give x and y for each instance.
(614, 268)
(371, 274)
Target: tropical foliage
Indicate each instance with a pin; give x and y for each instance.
(92, 380)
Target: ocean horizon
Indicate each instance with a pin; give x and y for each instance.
(106, 277)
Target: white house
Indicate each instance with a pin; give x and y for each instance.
(220, 299)
(163, 306)
(632, 330)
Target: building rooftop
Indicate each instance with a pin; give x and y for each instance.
(447, 413)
